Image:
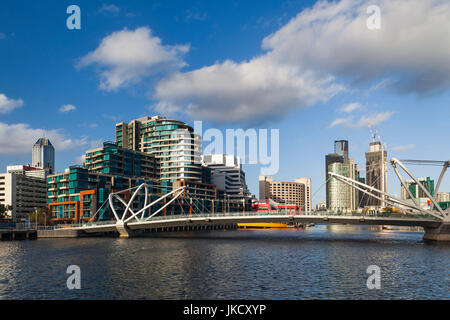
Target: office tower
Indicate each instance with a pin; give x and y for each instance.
(415, 190)
(227, 175)
(283, 192)
(43, 155)
(23, 193)
(376, 172)
(111, 159)
(330, 159)
(173, 143)
(307, 183)
(341, 148)
(342, 196)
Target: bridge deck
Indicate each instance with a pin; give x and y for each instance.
(226, 219)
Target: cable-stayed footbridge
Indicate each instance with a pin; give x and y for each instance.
(138, 214)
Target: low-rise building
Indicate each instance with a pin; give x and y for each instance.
(77, 194)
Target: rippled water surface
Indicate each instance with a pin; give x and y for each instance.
(324, 262)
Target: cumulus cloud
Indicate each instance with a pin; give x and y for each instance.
(310, 58)
(67, 108)
(17, 139)
(253, 90)
(7, 104)
(332, 37)
(125, 57)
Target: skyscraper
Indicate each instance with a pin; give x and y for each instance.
(43, 155)
(376, 172)
(343, 197)
(173, 143)
(341, 148)
(330, 159)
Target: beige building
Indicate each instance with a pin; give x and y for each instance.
(24, 193)
(297, 193)
(443, 197)
(307, 183)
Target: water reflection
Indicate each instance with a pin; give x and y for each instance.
(325, 262)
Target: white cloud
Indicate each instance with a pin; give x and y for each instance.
(7, 105)
(309, 59)
(248, 91)
(17, 139)
(109, 9)
(125, 57)
(80, 160)
(364, 121)
(402, 148)
(412, 45)
(340, 121)
(350, 107)
(374, 120)
(67, 108)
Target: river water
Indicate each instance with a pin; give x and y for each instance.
(324, 262)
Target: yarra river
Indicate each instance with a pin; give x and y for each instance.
(323, 262)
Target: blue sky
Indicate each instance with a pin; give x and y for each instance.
(313, 70)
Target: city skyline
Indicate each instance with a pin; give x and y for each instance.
(75, 100)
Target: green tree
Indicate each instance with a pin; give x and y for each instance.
(4, 210)
(43, 216)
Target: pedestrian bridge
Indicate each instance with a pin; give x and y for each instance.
(433, 227)
(139, 215)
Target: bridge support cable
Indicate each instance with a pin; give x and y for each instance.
(433, 200)
(444, 169)
(392, 199)
(375, 196)
(404, 184)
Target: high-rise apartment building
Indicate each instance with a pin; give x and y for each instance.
(281, 192)
(111, 159)
(227, 175)
(43, 155)
(23, 193)
(376, 172)
(173, 143)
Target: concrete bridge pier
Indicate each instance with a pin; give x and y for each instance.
(441, 233)
(124, 232)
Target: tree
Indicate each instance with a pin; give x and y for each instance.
(43, 216)
(4, 211)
